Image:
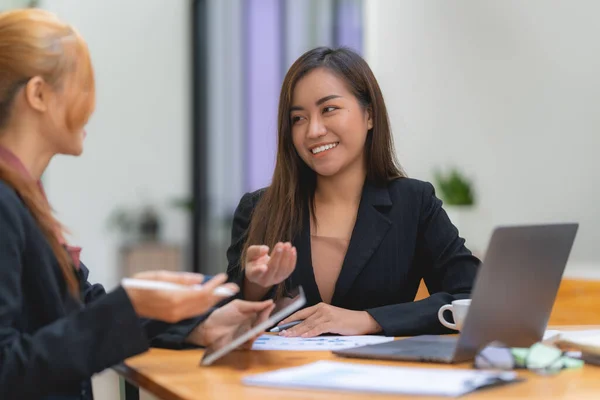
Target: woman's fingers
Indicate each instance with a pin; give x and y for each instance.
(255, 252)
(181, 278)
(274, 263)
(268, 270)
(288, 263)
(252, 307)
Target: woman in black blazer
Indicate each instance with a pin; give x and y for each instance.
(56, 329)
(340, 216)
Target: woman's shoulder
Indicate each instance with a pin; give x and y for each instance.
(255, 195)
(9, 200)
(13, 213)
(250, 199)
(403, 187)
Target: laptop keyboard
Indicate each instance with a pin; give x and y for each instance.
(425, 349)
(439, 349)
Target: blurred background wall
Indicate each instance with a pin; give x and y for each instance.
(509, 92)
(137, 151)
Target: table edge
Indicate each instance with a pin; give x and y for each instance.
(135, 378)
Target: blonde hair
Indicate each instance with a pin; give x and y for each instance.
(34, 42)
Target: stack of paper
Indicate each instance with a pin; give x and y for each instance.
(332, 375)
(321, 343)
(587, 341)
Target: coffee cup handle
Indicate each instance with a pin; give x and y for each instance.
(447, 307)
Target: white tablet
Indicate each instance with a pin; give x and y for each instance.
(220, 348)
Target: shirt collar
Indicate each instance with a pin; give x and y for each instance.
(14, 162)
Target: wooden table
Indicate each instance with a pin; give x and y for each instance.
(176, 375)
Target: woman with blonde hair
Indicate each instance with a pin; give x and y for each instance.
(56, 329)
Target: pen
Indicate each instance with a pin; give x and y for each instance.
(285, 326)
(147, 284)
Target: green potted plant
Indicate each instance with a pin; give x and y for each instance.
(456, 191)
(136, 224)
(183, 203)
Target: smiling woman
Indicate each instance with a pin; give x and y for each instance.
(340, 217)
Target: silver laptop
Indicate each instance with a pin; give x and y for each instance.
(511, 301)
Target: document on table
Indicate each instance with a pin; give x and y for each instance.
(587, 340)
(322, 343)
(550, 334)
(583, 334)
(332, 375)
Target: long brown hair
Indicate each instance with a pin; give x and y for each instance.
(279, 214)
(35, 42)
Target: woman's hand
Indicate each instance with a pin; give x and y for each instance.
(176, 305)
(262, 270)
(230, 321)
(325, 318)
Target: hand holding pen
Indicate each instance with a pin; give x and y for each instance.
(283, 327)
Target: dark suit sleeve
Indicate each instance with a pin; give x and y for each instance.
(239, 233)
(448, 268)
(67, 350)
(161, 334)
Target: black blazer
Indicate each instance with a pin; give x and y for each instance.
(50, 343)
(401, 235)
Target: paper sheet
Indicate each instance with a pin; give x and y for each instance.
(590, 337)
(588, 341)
(586, 335)
(321, 343)
(332, 375)
(550, 334)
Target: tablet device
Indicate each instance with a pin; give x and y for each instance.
(220, 347)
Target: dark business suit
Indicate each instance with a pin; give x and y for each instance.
(401, 235)
(50, 343)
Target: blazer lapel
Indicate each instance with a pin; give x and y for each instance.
(303, 273)
(369, 230)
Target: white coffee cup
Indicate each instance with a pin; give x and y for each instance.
(459, 310)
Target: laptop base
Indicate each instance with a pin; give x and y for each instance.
(426, 348)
